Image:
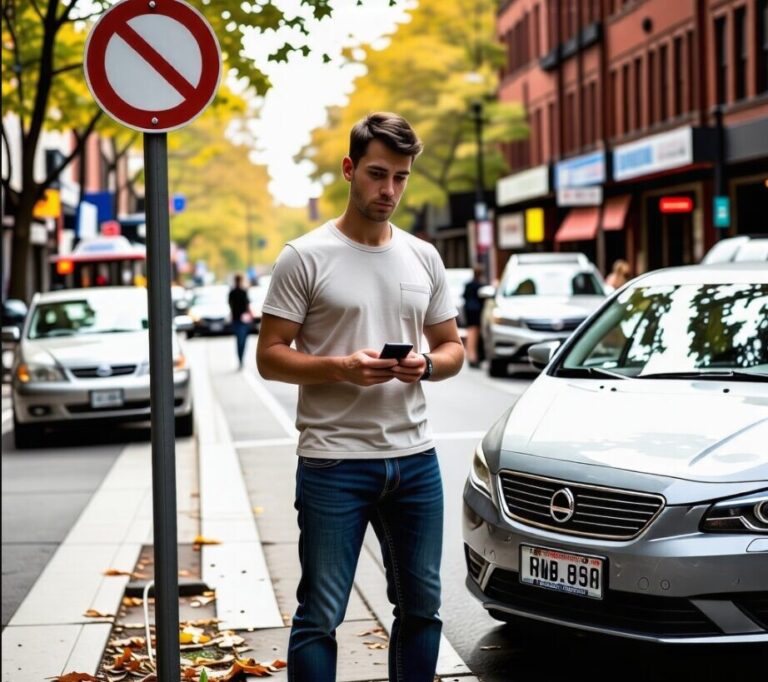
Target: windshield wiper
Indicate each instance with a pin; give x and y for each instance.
(711, 375)
(588, 372)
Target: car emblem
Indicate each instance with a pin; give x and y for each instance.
(558, 325)
(104, 371)
(562, 505)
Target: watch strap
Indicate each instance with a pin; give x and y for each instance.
(428, 369)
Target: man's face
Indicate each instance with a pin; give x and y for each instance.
(378, 181)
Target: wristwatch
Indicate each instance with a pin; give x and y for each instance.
(428, 369)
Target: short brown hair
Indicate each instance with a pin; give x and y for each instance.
(390, 129)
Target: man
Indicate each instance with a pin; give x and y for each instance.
(365, 451)
(239, 310)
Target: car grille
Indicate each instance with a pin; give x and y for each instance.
(755, 605)
(90, 372)
(475, 563)
(640, 613)
(567, 325)
(599, 512)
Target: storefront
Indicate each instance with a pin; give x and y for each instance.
(670, 174)
(525, 215)
(746, 149)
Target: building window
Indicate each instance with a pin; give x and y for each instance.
(761, 25)
(691, 73)
(593, 119)
(570, 141)
(663, 83)
(539, 135)
(536, 32)
(614, 128)
(552, 130)
(740, 52)
(625, 98)
(651, 88)
(721, 61)
(678, 67)
(638, 93)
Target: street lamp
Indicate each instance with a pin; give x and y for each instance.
(483, 228)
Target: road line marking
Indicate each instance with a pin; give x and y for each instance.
(272, 404)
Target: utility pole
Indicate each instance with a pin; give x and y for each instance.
(483, 228)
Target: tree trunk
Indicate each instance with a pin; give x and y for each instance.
(20, 284)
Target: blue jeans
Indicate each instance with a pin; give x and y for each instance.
(241, 330)
(336, 499)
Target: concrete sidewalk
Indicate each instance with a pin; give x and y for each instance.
(237, 492)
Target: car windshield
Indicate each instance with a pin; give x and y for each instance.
(213, 296)
(682, 331)
(80, 317)
(550, 281)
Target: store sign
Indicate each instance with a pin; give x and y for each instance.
(581, 171)
(49, 206)
(511, 231)
(534, 225)
(521, 186)
(579, 196)
(675, 204)
(722, 210)
(653, 154)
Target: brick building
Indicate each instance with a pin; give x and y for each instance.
(630, 102)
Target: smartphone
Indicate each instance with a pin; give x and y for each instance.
(395, 351)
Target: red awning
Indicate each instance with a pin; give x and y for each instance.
(579, 225)
(615, 212)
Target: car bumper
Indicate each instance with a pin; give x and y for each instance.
(61, 402)
(686, 587)
(513, 342)
(213, 326)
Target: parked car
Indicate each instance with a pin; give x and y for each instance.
(256, 296)
(209, 310)
(540, 297)
(14, 313)
(83, 355)
(457, 280)
(740, 249)
(626, 491)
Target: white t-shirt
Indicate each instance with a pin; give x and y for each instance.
(348, 296)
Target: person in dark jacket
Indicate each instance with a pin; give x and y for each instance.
(239, 309)
(473, 306)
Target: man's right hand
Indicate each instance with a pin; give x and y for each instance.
(365, 369)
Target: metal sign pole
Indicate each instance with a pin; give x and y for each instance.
(161, 399)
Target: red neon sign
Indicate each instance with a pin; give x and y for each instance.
(676, 204)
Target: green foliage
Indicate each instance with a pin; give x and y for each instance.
(432, 70)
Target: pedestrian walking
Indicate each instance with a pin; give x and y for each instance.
(473, 306)
(365, 450)
(619, 274)
(239, 310)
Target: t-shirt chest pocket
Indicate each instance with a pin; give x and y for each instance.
(414, 300)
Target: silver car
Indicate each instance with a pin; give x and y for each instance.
(84, 355)
(541, 297)
(626, 491)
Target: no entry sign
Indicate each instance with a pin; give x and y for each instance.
(152, 65)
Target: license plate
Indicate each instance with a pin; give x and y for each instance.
(111, 398)
(562, 571)
(216, 326)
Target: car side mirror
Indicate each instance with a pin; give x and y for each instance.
(11, 335)
(487, 291)
(539, 354)
(183, 323)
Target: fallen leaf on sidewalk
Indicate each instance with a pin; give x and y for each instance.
(202, 660)
(228, 640)
(116, 571)
(126, 661)
(76, 677)
(381, 633)
(93, 613)
(132, 601)
(192, 635)
(375, 645)
(202, 540)
(248, 666)
(197, 602)
(138, 642)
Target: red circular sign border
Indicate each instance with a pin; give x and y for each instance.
(140, 119)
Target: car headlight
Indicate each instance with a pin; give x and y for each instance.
(748, 514)
(31, 373)
(195, 316)
(179, 363)
(480, 474)
(498, 318)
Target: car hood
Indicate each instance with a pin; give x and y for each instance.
(684, 429)
(124, 348)
(210, 310)
(548, 307)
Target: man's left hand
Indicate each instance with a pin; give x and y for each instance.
(410, 368)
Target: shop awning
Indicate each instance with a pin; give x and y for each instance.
(579, 225)
(615, 212)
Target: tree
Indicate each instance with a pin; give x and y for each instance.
(434, 67)
(42, 83)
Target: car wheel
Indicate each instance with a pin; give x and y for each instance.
(27, 436)
(497, 367)
(185, 425)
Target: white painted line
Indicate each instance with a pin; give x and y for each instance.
(271, 403)
(265, 443)
(236, 569)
